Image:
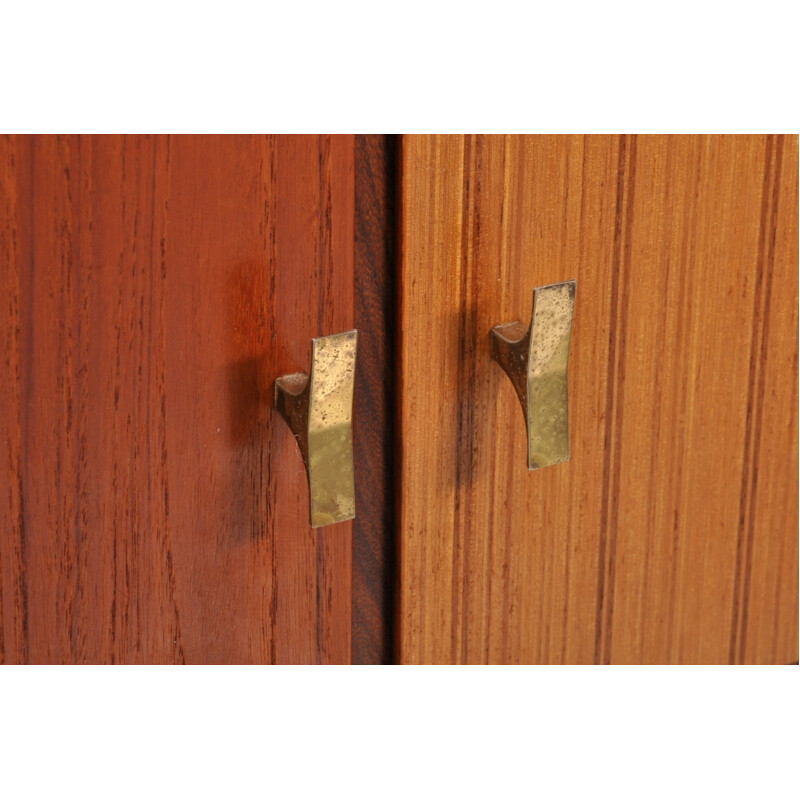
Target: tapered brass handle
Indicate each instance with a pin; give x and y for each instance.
(319, 411)
(536, 359)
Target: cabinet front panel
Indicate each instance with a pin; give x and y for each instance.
(671, 533)
(156, 509)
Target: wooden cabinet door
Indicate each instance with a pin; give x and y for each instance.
(154, 508)
(671, 534)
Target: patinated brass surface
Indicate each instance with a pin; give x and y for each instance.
(319, 410)
(536, 359)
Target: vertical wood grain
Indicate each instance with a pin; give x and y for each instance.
(765, 612)
(156, 508)
(374, 429)
(670, 535)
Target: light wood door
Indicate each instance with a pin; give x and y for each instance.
(671, 534)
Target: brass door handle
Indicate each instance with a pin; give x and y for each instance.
(536, 359)
(319, 411)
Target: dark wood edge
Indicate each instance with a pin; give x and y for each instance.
(374, 554)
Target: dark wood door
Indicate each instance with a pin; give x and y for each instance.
(153, 507)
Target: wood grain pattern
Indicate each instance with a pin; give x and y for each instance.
(766, 611)
(373, 527)
(671, 534)
(154, 287)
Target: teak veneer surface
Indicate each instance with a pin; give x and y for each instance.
(154, 509)
(671, 535)
(373, 527)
